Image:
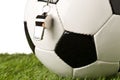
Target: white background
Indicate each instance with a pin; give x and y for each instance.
(12, 36)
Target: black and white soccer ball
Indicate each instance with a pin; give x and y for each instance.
(84, 39)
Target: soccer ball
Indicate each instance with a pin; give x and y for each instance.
(83, 39)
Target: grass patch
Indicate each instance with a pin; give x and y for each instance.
(28, 67)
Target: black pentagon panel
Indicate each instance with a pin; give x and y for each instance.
(50, 1)
(32, 46)
(119, 70)
(115, 6)
(77, 50)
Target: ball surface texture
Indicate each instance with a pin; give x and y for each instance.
(75, 38)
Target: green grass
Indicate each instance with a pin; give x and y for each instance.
(28, 67)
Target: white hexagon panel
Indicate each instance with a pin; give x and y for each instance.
(107, 40)
(97, 69)
(53, 62)
(84, 16)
